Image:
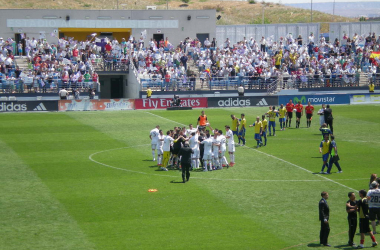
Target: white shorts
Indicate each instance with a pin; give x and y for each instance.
(222, 153)
(207, 156)
(215, 154)
(231, 147)
(160, 151)
(154, 146)
(195, 154)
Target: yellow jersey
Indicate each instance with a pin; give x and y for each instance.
(235, 124)
(258, 127)
(148, 92)
(243, 124)
(265, 124)
(272, 115)
(325, 147)
(282, 112)
(371, 87)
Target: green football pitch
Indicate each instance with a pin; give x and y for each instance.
(80, 180)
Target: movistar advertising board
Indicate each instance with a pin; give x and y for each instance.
(316, 99)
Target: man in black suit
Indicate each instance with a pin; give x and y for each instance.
(185, 152)
(324, 213)
(329, 117)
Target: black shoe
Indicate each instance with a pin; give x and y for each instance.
(187, 179)
(184, 181)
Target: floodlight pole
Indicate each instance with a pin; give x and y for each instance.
(311, 9)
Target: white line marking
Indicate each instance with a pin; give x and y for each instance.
(165, 118)
(217, 179)
(275, 157)
(304, 169)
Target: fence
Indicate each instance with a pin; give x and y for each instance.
(337, 30)
(237, 32)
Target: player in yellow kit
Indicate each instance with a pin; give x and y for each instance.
(282, 114)
(272, 114)
(243, 125)
(258, 130)
(235, 125)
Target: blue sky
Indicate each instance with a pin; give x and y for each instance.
(315, 1)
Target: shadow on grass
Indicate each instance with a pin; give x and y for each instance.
(176, 182)
(318, 157)
(314, 245)
(344, 247)
(146, 160)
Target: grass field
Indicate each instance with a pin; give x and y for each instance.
(80, 180)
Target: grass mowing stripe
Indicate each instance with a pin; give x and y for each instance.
(31, 217)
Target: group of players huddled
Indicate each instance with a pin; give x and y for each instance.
(209, 145)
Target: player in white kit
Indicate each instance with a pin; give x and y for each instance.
(231, 145)
(190, 130)
(207, 155)
(154, 139)
(166, 148)
(373, 197)
(193, 143)
(222, 152)
(215, 151)
(160, 151)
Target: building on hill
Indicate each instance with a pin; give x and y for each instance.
(114, 24)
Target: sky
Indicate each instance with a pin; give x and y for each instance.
(315, 1)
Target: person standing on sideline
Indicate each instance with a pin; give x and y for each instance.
(241, 90)
(329, 117)
(309, 114)
(63, 94)
(202, 120)
(149, 93)
(324, 148)
(364, 220)
(371, 87)
(351, 208)
(185, 153)
(289, 109)
(321, 115)
(373, 197)
(282, 113)
(334, 158)
(299, 113)
(235, 126)
(258, 130)
(154, 133)
(324, 216)
(230, 145)
(243, 125)
(272, 113)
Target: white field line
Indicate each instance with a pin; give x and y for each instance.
(176, 176)
(277, 158)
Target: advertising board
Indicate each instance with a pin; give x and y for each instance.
(316, 99)
(22, 106)
(248, 101)
(93, 105)
(163, 103)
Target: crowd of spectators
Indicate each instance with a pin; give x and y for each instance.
(292, 62)
(295, 62)
(67, 64)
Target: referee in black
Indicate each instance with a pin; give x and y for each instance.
(324, 214)
(185, 152)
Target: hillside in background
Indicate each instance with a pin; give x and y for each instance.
(349, 9)
(232, 12)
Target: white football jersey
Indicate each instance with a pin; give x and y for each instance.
(154, 133)
(231, 135)
(193, 142)
(223, 140)
(167, 141)
(208, 145)
(374, 200)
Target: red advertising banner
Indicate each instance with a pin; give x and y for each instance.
(163, 103)
(93, 105)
